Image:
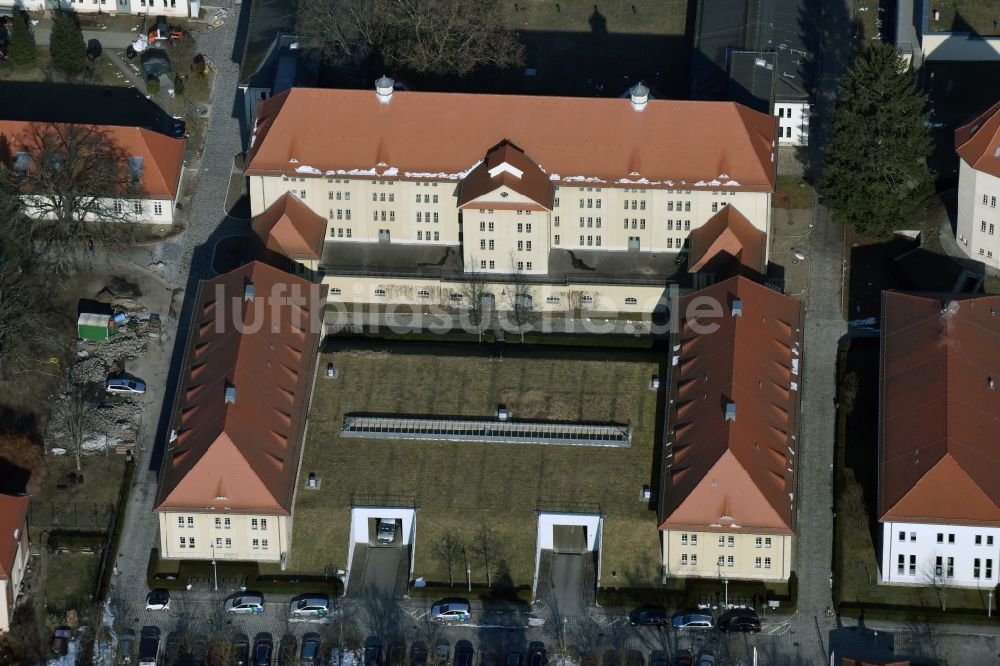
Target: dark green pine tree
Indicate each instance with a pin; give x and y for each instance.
(66, 45)
(876, 161)
(22, 41)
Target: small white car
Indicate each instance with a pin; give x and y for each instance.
(310, 605)
(386, 530)
(454, 610)
(125, 386)
(248, 603)
(158, 600)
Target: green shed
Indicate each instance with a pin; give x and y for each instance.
(94, 326)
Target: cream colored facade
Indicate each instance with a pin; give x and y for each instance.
(10, 588)
(224, 536)
(727, 555)
(505, 240)
(978, 225)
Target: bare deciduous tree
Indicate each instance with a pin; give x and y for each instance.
(78, 185)
(487, 547)
(521, 299)
(449, 549)
(473, 290)
(73, 417)
(429, 36)
(933, 576)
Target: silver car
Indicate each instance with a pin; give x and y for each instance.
(125, 386)
(248, 603)
(310, 605)
(386, 531)
(693, 620)
(451, 610)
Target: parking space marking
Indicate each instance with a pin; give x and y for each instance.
(607, 621)
(417, 614)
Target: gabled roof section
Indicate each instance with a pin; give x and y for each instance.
(291, 228)
(13, 512)
(729, 458)
(241, 401)
(506, 165)
(978, 142)
(727, 236)
(940, 394)
(162, 156)
(419, 135)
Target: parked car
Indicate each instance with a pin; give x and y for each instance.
(245, 603)
(149, 646)
(418, 654)
(655, 616)
(60, 640)
(241, 650)
(310, 605)
(386, 531)
(536, 654)
(310, 652)
(172, 648)
(263, 650)
(158, 599)
(683, 658)
(373, 651)
(706, 659)
(463, 653)
(692, 619)
(739, 620)
(124, 386)
(451, 610)
(442, 650)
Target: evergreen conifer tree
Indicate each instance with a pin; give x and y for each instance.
(22, 41)
(876, 161)
(66, 45)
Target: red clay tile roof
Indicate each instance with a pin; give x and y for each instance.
(728, 235)
(733, 474)
(418, 135)
(13, 512)
(291, 228)
(506, 165)
(978, 142)
(938, 459)
(162, 155)
(242, 456)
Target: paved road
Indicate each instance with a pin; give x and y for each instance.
(186, 259)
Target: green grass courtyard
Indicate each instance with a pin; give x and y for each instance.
(457, 484)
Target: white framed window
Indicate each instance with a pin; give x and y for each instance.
(757, 542)
(721, 561)
(901, 565)
(756, 563)
(226, 523)
(913, 536)
(190, 542)
(979, 539)
(913, 565)
(767, 542)
(528, 265)
(380, 292)
(722, 541)
(482, 264)
(556, 239)
(335, 291)
(254, 523)
(492, 264)
(218, 523)
(684, 539)
(731, 541)
(630, 300)
(694, 558)
(255, 544)
(554, 300)
(183, 542)
(730, 561)
(218, 542)
(940, 537)
(767, 562)
(180, 522)
(423, 293)
(950, 571)
(263, 544)
(684, 559)
(190, 521)
(158, 208)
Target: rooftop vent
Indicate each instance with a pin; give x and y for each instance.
(645, 494)
(135, 170)
(737, 307)
(249, 292)
(730, 411)
(992, 384)
(502, 413)
(312, 483)
(173, 435)
(230, 395)
(639, 95)
(383, 88)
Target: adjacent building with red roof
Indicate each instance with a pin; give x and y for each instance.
(13, 553)
(229, 476)
(939, 475)
(592, 201)
(728, 472)
(978, 226)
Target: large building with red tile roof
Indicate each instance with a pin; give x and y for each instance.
(13, 553)
(152, 162)
(592, 201)
(728, 472)
(229, 474)
(978, 226)
(939, 475)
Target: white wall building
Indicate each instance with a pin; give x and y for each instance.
(978, 227)
(793, 123)
(168, 8)
(925, 554)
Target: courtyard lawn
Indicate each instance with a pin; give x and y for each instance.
(457, 485)
(980, 17)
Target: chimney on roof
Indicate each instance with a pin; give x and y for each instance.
(383, 88)
(730, 411)
(639, 95)
(737, 307)
(249, 293)
(992, 384)
(230, 395)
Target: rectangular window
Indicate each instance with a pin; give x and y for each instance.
(731, 542)
(347, 196)
(556, 239)
(527, 246)
(555, 202)
(434, 198)
(137, 207)
(184, 542)
(520, 227)
(940, 537)
(520, 246)
(715, 206)
(218, 523)
(218, 542)
(392, 216)
(985, 198)
(722, 541)
(767, 562)
(520, 265)
(555, 222)
(951, 538)
(756, 563)
(694, 558)
(684, 559)
(482, 226)
(347, 213)
(979, 540)
(975, 566)
(263, 544)
(348, 230)
(590, 223)
(253, 523)
(581, 241)
(180, 522)
(913, 536)
(302, 193)
(950, 571)
(590, 240)
(730, 561)
(670, 206)
(767, 542)
(982, 225)
(437, 235)
(684, 539)
(720, 561)
(420, 235)
(989, 540)
(687, 206)
(482, 244)
(490, 225)
(418, 198)
(694, 539)
(392, 196)
(190, 542)
(435, 218)
(492, 264)
(158, 209)
(226, 523)
(642, 223)
(528, 265)
(255, 544)
(482, 264)
(527, 227)
(687, 224)
(597, 241)
(901, 565)
(590, 203)
(670, 243)
(992, 227)
(757, 542)
(119, 207)
(491, 243)
(993, 202)
(913, 565)
(989, 568)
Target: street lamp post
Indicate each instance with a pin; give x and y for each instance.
(725, 586)
(215, 573)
